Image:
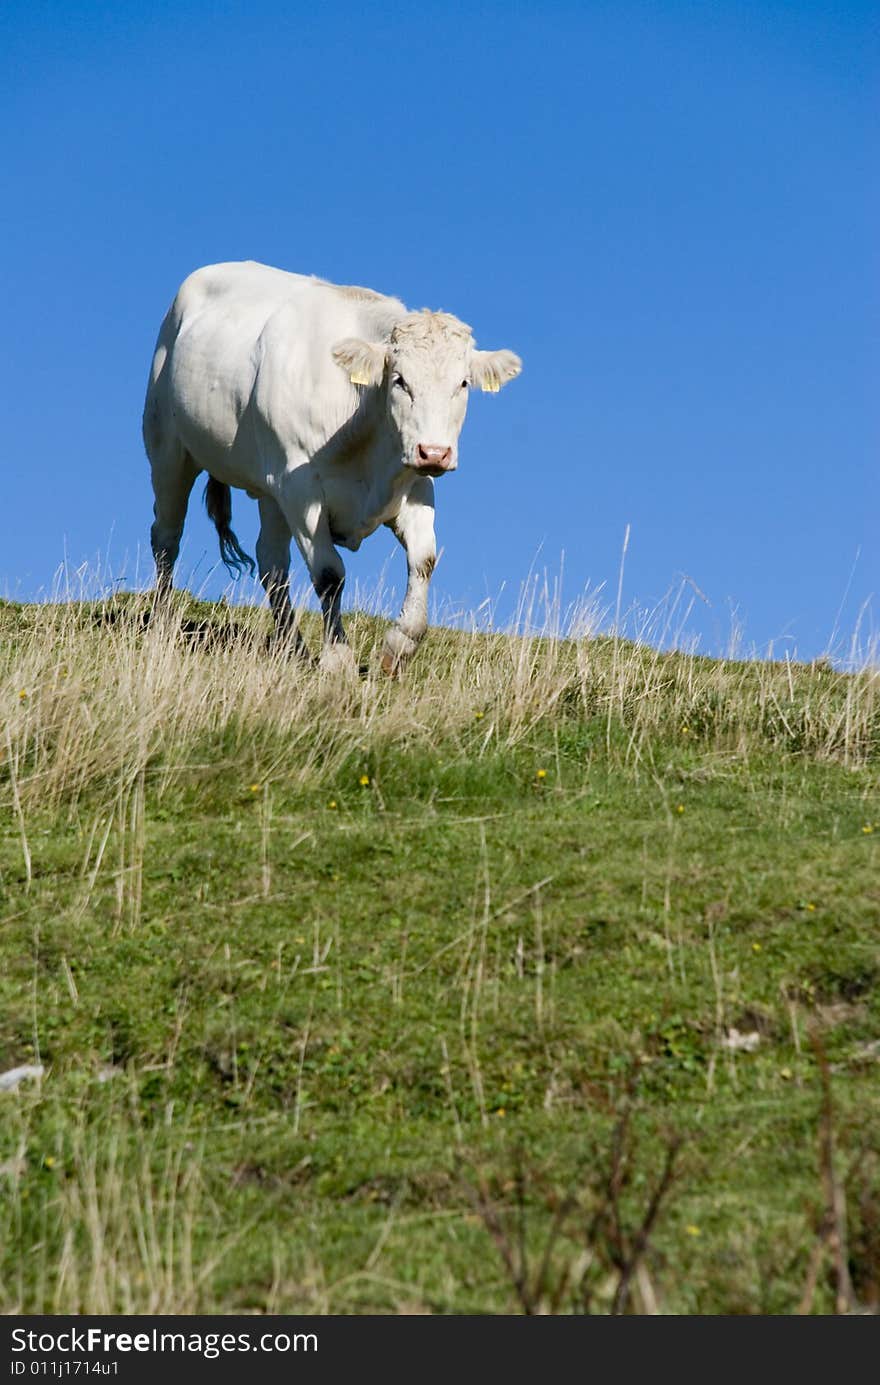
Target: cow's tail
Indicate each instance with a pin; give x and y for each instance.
(218, 503)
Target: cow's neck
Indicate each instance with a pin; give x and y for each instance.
(364, 478)
(370, 444)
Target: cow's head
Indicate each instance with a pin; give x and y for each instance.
(426, 370)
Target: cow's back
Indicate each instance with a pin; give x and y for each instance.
(243, 334)
(241, 288)
(236, 300)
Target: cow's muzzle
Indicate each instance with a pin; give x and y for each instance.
(432, 461)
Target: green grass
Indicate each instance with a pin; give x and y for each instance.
(289, 1020)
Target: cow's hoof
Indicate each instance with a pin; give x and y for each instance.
(338, 659)
(397, 649)
(390, 664)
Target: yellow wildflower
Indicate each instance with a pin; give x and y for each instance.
(255, 788)
(692, 1230)
(364, 780)
(756, 947)
(23, 694)
(541, 774)
(679, 807)
(332, 803)
(868, 827)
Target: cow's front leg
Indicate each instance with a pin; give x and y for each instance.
(414, 527)
(328, 578)
(308, 522)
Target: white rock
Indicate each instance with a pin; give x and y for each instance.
(11, 1079)
(740, 1043)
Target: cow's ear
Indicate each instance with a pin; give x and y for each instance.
(492, 369)
(362, 361)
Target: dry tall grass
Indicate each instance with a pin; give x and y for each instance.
(119, 1236)
(104, 709)
(97, 695)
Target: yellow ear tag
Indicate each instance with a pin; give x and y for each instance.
(491, 385)
(358, 377)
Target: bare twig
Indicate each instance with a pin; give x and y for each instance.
(831, 1232)
(608, 1245)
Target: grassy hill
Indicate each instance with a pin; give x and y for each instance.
(546, 978)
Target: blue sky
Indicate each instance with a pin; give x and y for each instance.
(669, 210)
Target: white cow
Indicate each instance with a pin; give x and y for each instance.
(333, 407)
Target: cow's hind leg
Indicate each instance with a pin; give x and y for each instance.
(173, 479)
(273, 563)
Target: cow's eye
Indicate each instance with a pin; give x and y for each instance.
(464, 384)
(400, 384)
